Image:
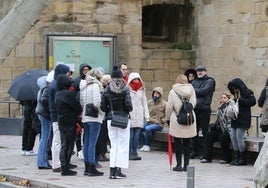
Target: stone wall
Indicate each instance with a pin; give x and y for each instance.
(118, 17)
(230, 38)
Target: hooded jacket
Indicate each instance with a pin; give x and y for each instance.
(157, 108)
(90, 93)
(173, 106)
(140, 111)
(80, 77)
(42, 107)
(52, 88)
(245, 102)
(68, 108)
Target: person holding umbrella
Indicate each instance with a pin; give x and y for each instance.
(181, 133)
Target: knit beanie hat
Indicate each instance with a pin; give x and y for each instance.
(116, 73)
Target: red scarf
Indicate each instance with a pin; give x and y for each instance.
(135, 85)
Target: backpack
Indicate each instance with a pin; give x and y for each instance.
(185, 116)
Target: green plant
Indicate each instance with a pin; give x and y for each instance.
(182, 46)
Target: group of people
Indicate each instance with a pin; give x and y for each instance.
(62, 102)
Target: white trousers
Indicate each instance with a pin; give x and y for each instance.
(56, 145)
(119, 152)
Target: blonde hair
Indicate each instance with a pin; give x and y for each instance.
(182, 79)
(228, 95)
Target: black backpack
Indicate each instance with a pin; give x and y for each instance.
(185, 115)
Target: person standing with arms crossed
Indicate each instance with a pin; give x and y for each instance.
(204, 86)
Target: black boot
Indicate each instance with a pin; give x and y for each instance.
(112, 173)
(119, 174)
(178, 159)
(65, 171)
(93, 171)
(235, 158)
(186, 161)
(86, 169)
(242, 159)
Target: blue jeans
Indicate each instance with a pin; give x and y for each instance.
(237, 135)
(149, 129)
(134, 136)
(91, 133)
(42, 159)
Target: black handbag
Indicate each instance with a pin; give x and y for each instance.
(91, 110)
(119, 120)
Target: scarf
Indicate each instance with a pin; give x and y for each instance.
(222, 117)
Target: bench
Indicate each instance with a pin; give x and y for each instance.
(253, 144)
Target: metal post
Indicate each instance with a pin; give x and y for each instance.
(190, 176)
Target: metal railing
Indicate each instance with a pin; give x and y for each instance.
(9, 104)
(254, 118)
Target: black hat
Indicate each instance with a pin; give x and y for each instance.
(116, 73)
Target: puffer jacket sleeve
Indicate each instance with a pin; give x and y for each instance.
(193, 97)
(128, 104)
(248, 100)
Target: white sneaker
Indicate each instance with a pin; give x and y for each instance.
(143, 147)
(23, 152)
(147, 148)
(30, 153)
(81, 155)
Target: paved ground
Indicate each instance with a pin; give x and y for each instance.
(152, 171)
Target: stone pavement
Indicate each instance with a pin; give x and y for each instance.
(152, 171)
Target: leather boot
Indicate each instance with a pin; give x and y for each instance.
(242, 159)
(112, 173)
(93, 171)
(86, 169)
(119, 174)
(65, 171)
(235, 158)
(186, 161)
(178, 159)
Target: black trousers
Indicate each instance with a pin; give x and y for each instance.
(101, 146)
(28, 136)
(182, 145)
(202, 122)
(211, 138)
(67, 145)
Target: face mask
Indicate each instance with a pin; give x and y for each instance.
(156, 98)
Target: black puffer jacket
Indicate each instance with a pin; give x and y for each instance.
(245, 102)
(68, 108)
(120, 98)
(204, 88)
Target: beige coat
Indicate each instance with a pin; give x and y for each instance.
(174, 103)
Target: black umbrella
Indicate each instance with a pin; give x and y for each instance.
(24, 86)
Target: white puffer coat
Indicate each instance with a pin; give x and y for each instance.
(173, 106)
(90, 93)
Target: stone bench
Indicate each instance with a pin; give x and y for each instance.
(253, 144)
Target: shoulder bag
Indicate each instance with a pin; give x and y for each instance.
(118, 120)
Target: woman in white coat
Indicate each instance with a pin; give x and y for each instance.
(181, 133)
(90, 93)
(139, 114)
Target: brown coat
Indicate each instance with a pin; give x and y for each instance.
(157, 109)
(173, 106)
